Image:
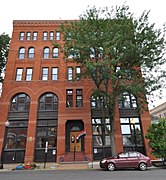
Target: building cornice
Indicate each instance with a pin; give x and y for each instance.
(40, 22)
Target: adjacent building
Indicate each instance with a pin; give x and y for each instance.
(158, 112)
(47, 106)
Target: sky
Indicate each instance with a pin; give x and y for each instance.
(71, 9)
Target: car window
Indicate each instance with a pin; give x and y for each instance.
(133, 154)
(123, 155)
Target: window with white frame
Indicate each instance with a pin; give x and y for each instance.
(19, 72)
(46, 53)
(45, 73)
(51, 35)
(28, 38)
(21, 38)
(45, 36)
(78, 72)
(31, 52)
(21, 54)
(34, 38)
(54, 73)
(70, 73)
(28, 74)
(55, 52)
(58, 35)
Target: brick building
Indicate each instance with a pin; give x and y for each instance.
(43, 104)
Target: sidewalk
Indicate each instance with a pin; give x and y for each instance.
(56, 166)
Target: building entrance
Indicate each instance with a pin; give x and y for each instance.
(75, 145)
(73, 129)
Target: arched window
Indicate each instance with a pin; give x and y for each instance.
(55, 52)
(31, 52)
(97, 102)
(21, 54)
(48, 101)
(20, 102)
(46, 52)
(126, 100)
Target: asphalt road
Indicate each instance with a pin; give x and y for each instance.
(151, 174)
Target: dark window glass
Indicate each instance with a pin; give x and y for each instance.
(69, 98)
(48, 102)
(16, 136)
(21, 102)
(79, 98)
(101, 132)
(97, 102)
(126, 100)
(131, 132)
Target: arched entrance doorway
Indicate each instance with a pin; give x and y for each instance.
(73, 129)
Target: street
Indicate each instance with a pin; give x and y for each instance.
(150, 174)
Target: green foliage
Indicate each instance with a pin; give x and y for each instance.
(4, 48)
(102, 41)
(156, 134)
(115, 50)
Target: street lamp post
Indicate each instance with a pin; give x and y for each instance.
(4, 144)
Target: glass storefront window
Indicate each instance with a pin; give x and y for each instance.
(125, 129)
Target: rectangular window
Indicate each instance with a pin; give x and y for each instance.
(34, 38)
(19, 72)
(55, 73)
(69, 98)
(79, 98)
(28, 74)
(45, 74)
(21, 38)
(28, 36)
(51, 35)
(45, 36)
(70, 73)
(58, 35)
(78, 73)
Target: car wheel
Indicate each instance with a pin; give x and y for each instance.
(111, 167)
(142, 166)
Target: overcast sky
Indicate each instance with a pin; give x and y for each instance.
(71, 9)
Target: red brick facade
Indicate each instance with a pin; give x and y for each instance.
(36, 87)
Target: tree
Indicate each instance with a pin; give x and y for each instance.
(4, 48)
(156, 134)
(118, 52)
